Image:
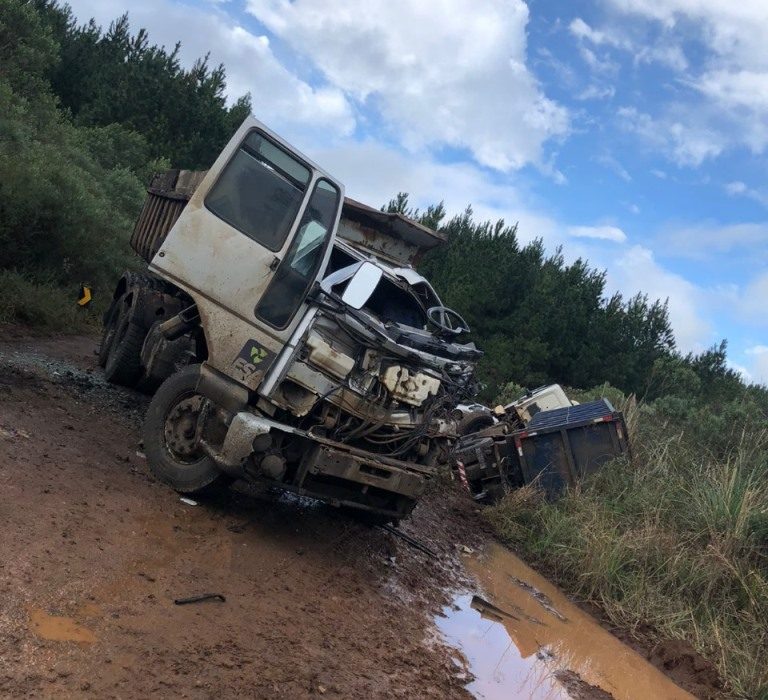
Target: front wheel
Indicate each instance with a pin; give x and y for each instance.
(171, 436)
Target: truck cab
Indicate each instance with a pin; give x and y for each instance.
(293, 341)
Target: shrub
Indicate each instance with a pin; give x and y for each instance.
(43, 304)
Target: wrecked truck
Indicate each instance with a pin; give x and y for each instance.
(542, 438)
(292, 341)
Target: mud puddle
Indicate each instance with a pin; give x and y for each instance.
(58, 629)
(523, 638)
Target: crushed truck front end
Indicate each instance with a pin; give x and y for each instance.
(374, 395)
(317, 359)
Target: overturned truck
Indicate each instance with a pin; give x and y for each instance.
(543, 439)
(291, 339)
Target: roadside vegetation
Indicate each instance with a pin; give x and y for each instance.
(87, 115)
(43, 304)
(675, 539)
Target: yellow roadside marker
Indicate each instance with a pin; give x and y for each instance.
(85, 296)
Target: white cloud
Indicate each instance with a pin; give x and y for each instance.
(686, 141)
(597, 92)
(758, 365)
(599, 64)
(735, 188)
(733, 30)
(441, 73)
(280, 98)
(707, 240)
(741, 189)
(669, 55)
(637, 269)
(610, 162)
(581, 30)
(753, 301)
(746, 375)
(732, 80)
(643, 51)
(604, 233)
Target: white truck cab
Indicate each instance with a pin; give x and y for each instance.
(295, 343)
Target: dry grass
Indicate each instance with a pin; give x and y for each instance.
(676, 538)
(42, 304)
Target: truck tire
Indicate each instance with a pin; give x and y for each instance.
(123, 362)
(108, 332)
(168, 428)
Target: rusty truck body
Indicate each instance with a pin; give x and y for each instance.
(290, 336)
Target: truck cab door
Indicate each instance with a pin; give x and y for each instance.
(248, 246)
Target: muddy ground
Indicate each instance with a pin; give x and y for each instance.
(93, 552)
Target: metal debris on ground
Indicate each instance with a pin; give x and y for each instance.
(200, 598)
(484, 607)
(13, 433)
(407, 538)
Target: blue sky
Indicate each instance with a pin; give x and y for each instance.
(630, 132)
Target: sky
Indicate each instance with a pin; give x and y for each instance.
(633, 133)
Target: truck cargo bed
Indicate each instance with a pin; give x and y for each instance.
(555, 450)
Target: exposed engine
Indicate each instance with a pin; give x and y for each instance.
(364, 378)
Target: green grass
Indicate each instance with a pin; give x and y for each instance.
(677, 539)
(42, 304)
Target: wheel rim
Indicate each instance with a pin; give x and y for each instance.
(180, 429)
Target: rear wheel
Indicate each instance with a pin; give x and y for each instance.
(123, 362)
(171, 437)
(108, 333)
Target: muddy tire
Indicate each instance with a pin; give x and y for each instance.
(169, 427)
(123, 362)
(108, 332)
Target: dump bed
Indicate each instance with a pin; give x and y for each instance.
(390, 236)
(560, 447)
(555, 450)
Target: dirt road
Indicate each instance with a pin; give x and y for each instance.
(93, 552)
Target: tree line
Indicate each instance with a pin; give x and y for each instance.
(89, 113)
(540, 320)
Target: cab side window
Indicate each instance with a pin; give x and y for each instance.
(260, 190)
(299, 267)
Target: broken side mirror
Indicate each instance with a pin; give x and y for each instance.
(361, 285)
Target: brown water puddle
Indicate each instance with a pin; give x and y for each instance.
(58, 629)
(520, 633)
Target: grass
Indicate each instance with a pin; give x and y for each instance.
(42, 304)
(676, 538)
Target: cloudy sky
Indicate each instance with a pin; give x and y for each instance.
(631, 132)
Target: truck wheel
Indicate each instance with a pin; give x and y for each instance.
(169, 432)
(123, 363)
(108, 333)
